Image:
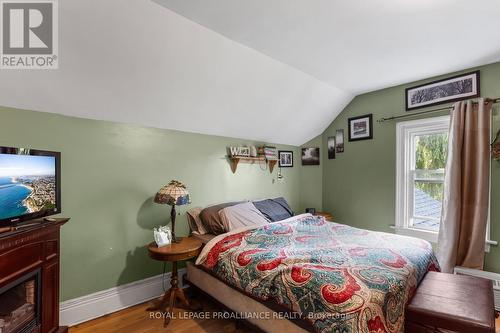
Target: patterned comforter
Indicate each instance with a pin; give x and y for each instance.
(339, 278)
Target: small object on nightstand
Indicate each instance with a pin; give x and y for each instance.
(187, 248)
(162, 236)
(50, 219)
(326, 215)
(311, 211)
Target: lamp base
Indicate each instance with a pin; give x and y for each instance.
(176, 239)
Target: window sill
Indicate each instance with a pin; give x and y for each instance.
(429, 236)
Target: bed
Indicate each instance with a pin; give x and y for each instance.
(238, 302)
(324, 276)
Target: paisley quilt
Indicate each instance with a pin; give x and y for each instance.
(339, 278)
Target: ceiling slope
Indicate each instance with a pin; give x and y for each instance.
(137, 62)
(356, 45)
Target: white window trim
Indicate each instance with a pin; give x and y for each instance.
(489, 242)
(403, 159)
(401, 226)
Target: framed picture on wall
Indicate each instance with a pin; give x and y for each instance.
(361, 128)
(339, 141)
(310, 156)
(331, 147)
(285, 158)
(452, 89)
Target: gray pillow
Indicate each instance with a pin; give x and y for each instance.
(274, 209)
(194, 221)
(211, 219)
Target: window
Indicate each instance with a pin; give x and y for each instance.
(421, 159)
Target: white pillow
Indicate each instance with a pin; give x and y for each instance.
(241, 215)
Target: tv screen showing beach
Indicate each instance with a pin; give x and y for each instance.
(27, 184)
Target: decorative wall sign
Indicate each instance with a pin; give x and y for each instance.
(339, 141)
(310, 156)
(331, 147)
(240, 151)
(361, 128)
(447, 90)
(285, 158)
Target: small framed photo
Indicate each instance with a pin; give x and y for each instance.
(285, 158)
(331, 147)
(339, 141)
(361, 128)
(451, 89)
(310, 156)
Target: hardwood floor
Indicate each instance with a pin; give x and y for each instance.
(136, 320)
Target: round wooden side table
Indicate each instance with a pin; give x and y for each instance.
(187, 248)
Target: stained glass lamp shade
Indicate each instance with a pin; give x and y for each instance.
(174, 193)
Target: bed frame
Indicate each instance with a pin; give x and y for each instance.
(234, 301)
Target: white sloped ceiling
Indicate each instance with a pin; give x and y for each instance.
(137, 62)
(272, 70)
(357, 45)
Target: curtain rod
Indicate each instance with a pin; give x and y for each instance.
(381, 120)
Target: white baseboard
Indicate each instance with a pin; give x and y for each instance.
(88, 307)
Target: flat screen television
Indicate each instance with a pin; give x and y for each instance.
(30, 184)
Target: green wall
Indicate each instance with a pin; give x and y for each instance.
(110, 172)
(359, 185)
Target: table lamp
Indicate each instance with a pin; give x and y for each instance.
(174, 193)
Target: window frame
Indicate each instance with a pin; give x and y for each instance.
(405, 160)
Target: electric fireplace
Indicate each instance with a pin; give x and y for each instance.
(20, 304)
(29, 278)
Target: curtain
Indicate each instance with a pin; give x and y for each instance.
(462, 231)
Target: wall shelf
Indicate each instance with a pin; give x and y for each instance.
(234, 161)
(272, 163)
